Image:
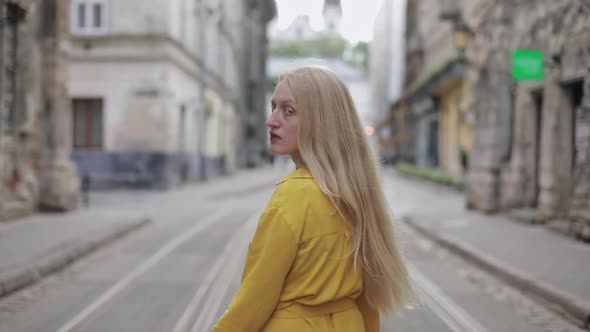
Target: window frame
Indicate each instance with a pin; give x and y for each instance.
(92, 123)
(89, 28)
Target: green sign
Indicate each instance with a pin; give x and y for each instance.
(527, 65)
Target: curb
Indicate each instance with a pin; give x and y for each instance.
(23, 276)
(427, 181)
(575, 309)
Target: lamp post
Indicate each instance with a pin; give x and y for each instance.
(461, 36)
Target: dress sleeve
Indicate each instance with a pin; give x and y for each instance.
(269, 260)
(369, 313)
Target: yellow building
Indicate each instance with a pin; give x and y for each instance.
(455, 128)
(431, 124)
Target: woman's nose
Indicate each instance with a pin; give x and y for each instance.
(271, 122)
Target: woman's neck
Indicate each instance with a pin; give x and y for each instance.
(296, 157)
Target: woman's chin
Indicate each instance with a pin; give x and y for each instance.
(277, 150)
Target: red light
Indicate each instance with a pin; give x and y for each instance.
(369, 130)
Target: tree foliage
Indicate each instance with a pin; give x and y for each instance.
(323, 46)
(359, 55)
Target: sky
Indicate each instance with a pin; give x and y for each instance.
(357, 16)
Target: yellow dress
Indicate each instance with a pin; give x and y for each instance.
(299, 275)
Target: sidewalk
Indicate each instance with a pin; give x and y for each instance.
(534, 259)
(41, 244)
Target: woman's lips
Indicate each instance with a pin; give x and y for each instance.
(274, 137)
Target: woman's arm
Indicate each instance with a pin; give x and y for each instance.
(271, 255)
(370, 314)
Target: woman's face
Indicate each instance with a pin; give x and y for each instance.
(282, 122)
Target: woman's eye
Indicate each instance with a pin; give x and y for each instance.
(289, 111)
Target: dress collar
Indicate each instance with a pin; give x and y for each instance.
(300, 173)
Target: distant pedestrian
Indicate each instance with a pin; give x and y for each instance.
(86, 189)
(324, 256)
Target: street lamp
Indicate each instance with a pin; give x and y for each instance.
(461, 36)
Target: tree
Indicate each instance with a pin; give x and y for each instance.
(323, 46)
(358, 55)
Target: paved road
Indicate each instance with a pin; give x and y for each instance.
(180, 273)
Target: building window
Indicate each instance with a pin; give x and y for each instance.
(87, 120)
(88, 17)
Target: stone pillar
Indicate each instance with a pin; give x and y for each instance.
(492, 135)
(59, 179)
(580, 205)
(493, 107)
(520, 180)
(556, 149)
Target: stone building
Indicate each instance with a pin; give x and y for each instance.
(170, 92)
(429, 124)
(164, 93)
(35, 166)
(531, 144)
(527, 141)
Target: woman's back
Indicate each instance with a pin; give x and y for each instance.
(301, 232)
(323, 269)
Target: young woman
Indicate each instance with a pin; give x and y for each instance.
(323, 257)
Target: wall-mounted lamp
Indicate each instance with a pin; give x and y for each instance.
(462, 35)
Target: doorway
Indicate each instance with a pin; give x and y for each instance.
(573, 92)
(537, 97)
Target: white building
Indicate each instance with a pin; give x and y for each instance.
(156, 87)
(300, 29)
(332, 16)
(387, 56)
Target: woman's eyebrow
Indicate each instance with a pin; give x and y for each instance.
(282, 100)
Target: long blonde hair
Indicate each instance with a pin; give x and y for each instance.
(334, 147)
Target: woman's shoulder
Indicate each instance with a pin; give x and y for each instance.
(298, 195)
(297, 185)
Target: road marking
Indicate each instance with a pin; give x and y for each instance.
(239, 238)
(444, 307)
(206, 319)
(455, 223)
(141, 269)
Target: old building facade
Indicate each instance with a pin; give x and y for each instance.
(428, 124)
(532, 136)
(35, 165)
(159, 91)
(523, 144)
(124, 93)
